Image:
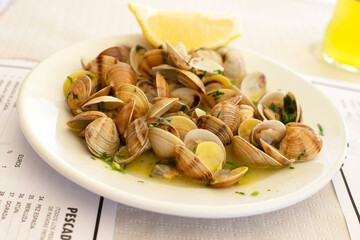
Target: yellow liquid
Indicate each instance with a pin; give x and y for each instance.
(143, 166)
(342, 37)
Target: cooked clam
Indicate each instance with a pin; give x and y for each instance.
(229, 113)
(78, 93)
(225, 177)
(216, 126)
(163, 143)
(120, 73)
(187, 96)
(127, 92)
(102, 137)
(254, 85)
(150, 59)
(120, 52)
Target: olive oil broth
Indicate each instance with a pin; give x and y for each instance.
(143, 166)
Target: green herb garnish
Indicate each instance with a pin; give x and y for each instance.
(242, 193)
(255, 193)
(219, 71)
(71, 80)
(194, 150)
(75, 96)
(348, 144)
(321, 129)
(141, 181)
(134, 89)
(101, 106)
(137, 47)
(151, 176)
(291, 167)
(151, 126)
(160, 120)
(93, 158)
(183, 107)
(301, 155)
(90, 76)
(218, 115)
(216, 94)
(103, 156)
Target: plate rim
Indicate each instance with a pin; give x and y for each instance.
(165, 207)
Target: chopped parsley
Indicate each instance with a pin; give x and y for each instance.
(141, 181)
(301, 155)
(93, 158)
(103, 156)
(67, 97)
(288, 113)
(107, 77)
(195, 148)
(255, 193)
(90, 76)
(269, 190)
(134, 89)
(347, 144)
(321, 129)
(216, 94)
(218, 115)
(183, 107)
(75, 96)
(71, 80)
(219, 71)
(230, 165)
(137, 47)
(142, 54)
(151, 176)
(160, 120)
(101, 106)
(151, 126)
(291, 167)
(241, 193)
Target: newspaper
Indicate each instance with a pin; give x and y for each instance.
(36, 202)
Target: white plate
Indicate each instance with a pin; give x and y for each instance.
(43, 115)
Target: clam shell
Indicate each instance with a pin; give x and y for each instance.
(246, 112)
(164, 171)
(163, 143)
(253, 85)
(216, 126)
(233, 63)
(120, 73)
(229, 113)
(99, 66)
(272, 132)
(161, 107)
(300, 142)
(189, 165)
(79, 91)
(226, 178)
(207, 54)
(148, 88)
(177, 57)
(216, 82)
(274, 153)
(102, 137)
(187, 96)
(162, 87)
(197, 136)
(150, 59)
(135, 56)
(137, 135)
(190, 80)
(205, 66)
(214, 97)
(246, 127)
(80, 121)
(103, 104)
(165, 125)
(120, 52)
(183, 125)
(251, 155)
(102, 92)
(128, 92)
(124, 117)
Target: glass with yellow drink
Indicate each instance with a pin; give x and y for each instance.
(341, 46)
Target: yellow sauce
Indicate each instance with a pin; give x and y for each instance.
(143, 166)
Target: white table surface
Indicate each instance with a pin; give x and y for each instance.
(287, 31)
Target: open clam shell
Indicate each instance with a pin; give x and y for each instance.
(226, 178)
(177, 57)
(183, 125)
(233, 63)
(187, 96)
(148, 88)
(135, 56)
(253, 85)
(191, 80)
(162, 87)
(189, 165)
(124, 117)
(214, 97)
(160, 107)
(251, 155)
(127, 92)
(150, 59)
(80, 121)
(163, 143)
(103, 104)
(272, 132)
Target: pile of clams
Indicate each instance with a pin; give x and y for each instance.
(186, 107)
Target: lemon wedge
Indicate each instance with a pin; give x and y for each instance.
(193, 29)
